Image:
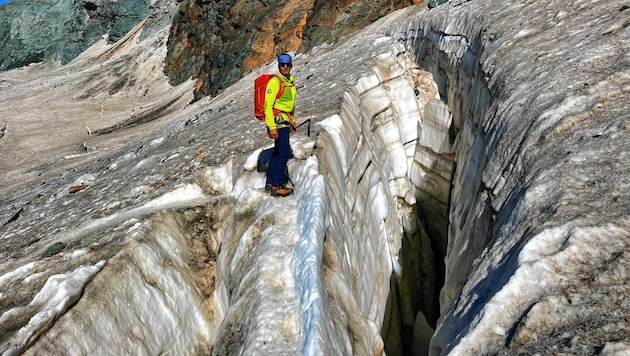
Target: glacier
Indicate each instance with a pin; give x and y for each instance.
(466, 171)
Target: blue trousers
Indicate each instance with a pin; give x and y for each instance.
(276, 173)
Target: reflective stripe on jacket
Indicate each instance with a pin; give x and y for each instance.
(285, 104)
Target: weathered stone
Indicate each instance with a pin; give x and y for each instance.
(35, 31)
(54, 249)
(217, 42)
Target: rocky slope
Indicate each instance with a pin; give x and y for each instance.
(218, 41)
(214, 41)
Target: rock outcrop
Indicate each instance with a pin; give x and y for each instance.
(215, 42)
(36, 31)
(218, 41)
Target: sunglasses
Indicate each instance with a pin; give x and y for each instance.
(285, 65)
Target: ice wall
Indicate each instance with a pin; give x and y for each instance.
(143, 300)
(454, 61)
(387, 147)
(537, 91)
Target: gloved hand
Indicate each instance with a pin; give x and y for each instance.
(273, 134)
(293, 127)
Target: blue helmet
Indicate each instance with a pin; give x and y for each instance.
(284, 59)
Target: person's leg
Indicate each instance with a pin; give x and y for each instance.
(284, 154)
(278, 162)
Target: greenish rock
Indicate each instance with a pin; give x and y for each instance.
(435, 3)
(54, 249)
(33, 31)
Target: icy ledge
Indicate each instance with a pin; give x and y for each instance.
(271, 283)
(283, 286)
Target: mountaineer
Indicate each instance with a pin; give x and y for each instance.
(278, 111)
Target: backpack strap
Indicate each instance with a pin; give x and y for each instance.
(281, 90)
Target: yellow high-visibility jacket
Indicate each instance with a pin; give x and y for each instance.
(284, 105)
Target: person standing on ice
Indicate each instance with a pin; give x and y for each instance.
(280, 123)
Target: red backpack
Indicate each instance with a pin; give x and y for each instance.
(260, 86)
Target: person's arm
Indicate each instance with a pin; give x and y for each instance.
(292, 119)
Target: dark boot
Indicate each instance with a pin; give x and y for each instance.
(281, 191)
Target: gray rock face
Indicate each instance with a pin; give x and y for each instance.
(35, 31)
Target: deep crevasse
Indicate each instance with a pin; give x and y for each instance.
(366, 154)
